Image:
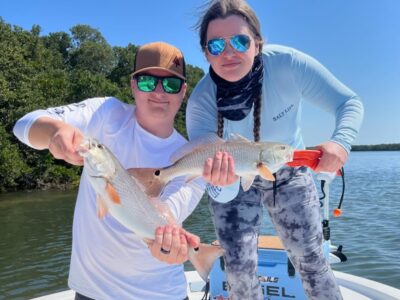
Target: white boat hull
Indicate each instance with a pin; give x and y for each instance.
(352, 287)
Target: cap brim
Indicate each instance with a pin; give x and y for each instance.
(158, 68)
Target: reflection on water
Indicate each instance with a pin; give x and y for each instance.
(35, 243)
(35, 229)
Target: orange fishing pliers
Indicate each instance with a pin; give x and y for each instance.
(311, 158)
(307, 158)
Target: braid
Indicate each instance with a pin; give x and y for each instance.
(256, 116)
(257, 119)
(220, 131)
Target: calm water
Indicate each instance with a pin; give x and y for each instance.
(35, 229)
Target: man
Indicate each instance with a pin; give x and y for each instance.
(108, 261)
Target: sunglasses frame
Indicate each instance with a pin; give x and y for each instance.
(158, 79)
(230, 38)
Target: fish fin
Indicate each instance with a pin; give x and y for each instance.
(112, 193)
(246, 182)
(101, 207)
(265, 172)
(238, 138)
(148, 181)
(204, 258)
(210, 138)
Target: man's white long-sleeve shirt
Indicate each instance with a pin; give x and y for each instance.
(108, 261)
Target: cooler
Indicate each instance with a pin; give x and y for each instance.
(276, 274)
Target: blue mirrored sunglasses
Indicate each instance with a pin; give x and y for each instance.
(239, 42)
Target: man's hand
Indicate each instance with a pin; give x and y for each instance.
(220, 170)
(333, 157)
(60, 138)
(171, 244)
(64, 142)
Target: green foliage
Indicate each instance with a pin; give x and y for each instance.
(194, 74)
(58, 43)
(90, 51)
(58, 175)
(85, 84)
(12, 167)
(51, 70)
(125, 58)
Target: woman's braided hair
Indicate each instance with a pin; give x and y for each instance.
(256, 116)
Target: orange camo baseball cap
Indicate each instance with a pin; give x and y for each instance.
(160, 56)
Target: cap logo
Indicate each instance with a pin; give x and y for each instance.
(176, 61)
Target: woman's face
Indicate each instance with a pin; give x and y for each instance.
(231, 65)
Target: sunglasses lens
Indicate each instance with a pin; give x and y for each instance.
(240, 42)
(216, 46)
(146, 83)
(172, 85)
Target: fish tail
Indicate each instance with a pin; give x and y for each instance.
(149, 181)
(204, 258)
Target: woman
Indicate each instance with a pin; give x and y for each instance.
(256, 91)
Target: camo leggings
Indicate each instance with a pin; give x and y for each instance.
(295, 212)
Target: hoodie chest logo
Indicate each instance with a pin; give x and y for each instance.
(283, 113)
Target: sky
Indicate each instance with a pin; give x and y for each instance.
(357, 40)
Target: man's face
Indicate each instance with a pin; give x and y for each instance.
(157, 105)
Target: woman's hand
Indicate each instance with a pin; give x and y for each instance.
(333, 157)
(171, 244)
(220, 170)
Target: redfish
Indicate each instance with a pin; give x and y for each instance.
(120, 195)
(251, 159)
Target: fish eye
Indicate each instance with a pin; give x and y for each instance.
(100, 146)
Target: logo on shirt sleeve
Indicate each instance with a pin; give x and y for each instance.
(60, 110)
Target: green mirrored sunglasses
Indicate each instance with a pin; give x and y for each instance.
(148, 83)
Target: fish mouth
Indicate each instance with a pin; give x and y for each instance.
(84, 147)
(87, 145)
